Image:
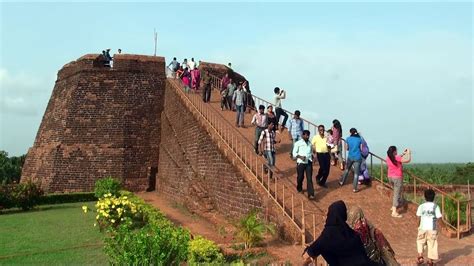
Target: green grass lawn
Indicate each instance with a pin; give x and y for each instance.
(53, 234)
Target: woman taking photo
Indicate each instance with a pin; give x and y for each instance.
(395, 175)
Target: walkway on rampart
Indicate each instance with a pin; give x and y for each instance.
(401, 233)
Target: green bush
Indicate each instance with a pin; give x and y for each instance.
(26, 195)
(202, 250)
(251, 229)
(67, 198)
(451, 209)
(107, 185)
(6, 196)
(149, 245)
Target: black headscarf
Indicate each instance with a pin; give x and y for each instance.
(338, 243)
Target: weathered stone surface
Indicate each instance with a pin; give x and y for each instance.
(100, 122)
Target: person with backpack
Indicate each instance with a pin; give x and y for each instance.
(395, 175)
(173, 66)
(354, 146)
(364, 177)
(427, 237)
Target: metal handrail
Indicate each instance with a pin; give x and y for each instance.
(216, 84)
(257, 100)
(246, 156)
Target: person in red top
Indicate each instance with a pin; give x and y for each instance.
(395, 174)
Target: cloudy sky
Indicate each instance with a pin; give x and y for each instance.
(401, 73)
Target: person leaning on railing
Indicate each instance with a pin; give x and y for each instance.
(395, 175)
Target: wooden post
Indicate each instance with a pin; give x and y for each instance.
(371, 165)
(268, 181)
(414, 188)
(314, 228)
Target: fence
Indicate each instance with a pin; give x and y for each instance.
(418, 183)
(461, 224)
(243, 154)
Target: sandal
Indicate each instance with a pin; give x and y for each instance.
(420, 260)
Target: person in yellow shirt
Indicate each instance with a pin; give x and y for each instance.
(321, 149)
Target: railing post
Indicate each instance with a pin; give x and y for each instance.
(459, 221)
(314, 228)
(292, 207)
(284, 210)
(442, 205)
(371, 165)
(276, 188)
(268, 181)
(381, 171)
(303, 237)
(414, 188)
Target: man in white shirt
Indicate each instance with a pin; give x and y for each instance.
(192, 64)
(303, 152)
(429, 213)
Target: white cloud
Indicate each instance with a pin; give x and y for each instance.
(22, 94)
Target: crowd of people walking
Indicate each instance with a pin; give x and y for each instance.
(344, 240)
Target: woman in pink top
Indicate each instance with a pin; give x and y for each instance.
(395, 174)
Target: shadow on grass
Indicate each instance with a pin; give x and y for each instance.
(42, 208)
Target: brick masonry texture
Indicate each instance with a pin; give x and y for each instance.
(193, 170)
(100, 122)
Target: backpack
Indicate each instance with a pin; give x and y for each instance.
(365, 149)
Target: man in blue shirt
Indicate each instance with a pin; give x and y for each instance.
(295, 129)
(303, 152)
(354, 146)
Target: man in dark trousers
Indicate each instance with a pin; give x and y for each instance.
(303, 152)
(320, 147)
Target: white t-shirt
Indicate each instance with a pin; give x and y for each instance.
(191, 64)
(429, 213)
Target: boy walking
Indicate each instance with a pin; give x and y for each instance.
(259, 120)
(427, 234)
(295, 129)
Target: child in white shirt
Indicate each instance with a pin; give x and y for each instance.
(427, 234)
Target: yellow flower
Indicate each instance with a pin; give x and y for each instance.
(97, 217)
(84, 208)
(95, 224)
(113, 221)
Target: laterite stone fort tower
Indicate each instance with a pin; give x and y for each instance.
(100, 122)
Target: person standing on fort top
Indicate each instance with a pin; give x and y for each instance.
(337, 141)
(119, 51)
(259, 120)
(267, 143)
(185, 64)
(354, 146)
(321, 149)
(295, 129)
(186, 79)
(192, 64)
(395, 175)
(280, 95)
(195, 79)
(173, 66)
(238, 99)
(303, 152)
(229, 65)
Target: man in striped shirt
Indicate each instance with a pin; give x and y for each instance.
(267, 146)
